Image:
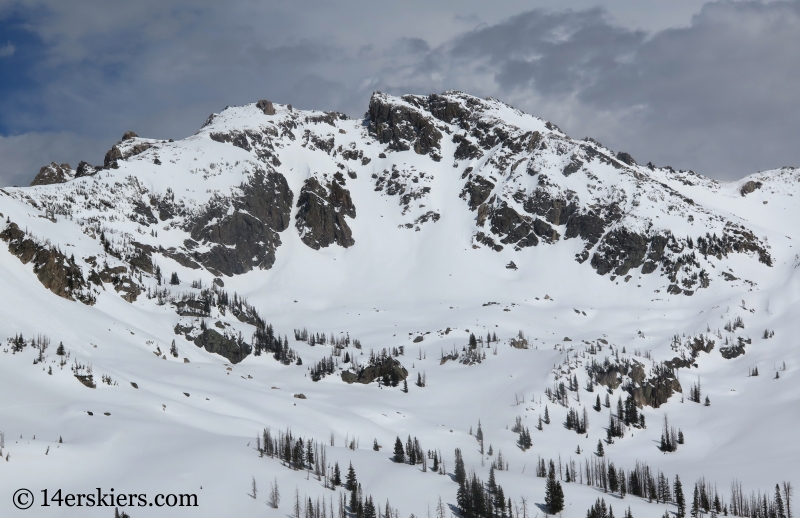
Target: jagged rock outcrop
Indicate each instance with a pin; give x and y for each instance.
(404, 127)
(266, 107)
(626, 158)
(321, 215)
(53, 173)
(117, 276)
(653, 390)
(388, 369)
(57, 272)
(514, 228)
(619, 252)
(749, 187)
(85, 169)
(735, 349)
(216, 343)
(130, 145)
(476, 191)
(243, 232)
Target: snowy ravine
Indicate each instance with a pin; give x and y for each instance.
(394, 237)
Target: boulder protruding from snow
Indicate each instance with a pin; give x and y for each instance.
(266, 107)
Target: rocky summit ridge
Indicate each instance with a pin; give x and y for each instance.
(526, 183)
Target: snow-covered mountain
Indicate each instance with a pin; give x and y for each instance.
(291, 253)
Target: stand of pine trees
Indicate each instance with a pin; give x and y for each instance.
(576, 421)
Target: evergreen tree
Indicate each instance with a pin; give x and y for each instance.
(375, 446)
(369, 508)
(779, 512)
(695, 511)
(460, 472)
(546, 415)
(473, 342)
(337, 475)
(600, 451)
(500, 502)
(597, 404)
(554, 495)
(399, 453)
(492, 484)
(60, 351)
(173, 349)
(405, 386)
(680, 501)
(351, 483)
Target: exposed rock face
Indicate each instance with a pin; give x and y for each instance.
(403, 127)
(124, 149)
(216, 343)
(247, 237)
(117, 277)
(749, 187)
(85, 169)
(736, 348)
(619, 252)
(476, 191)
(626, 158)
(266, 107)
(321, 215)
(53, 173)
(646, 391)
(113, 155)
(259, 142)
(237, 138)
(555, 210)
(55, 271)
(387, 368)
(514, 228)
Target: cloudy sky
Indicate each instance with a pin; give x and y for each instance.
(708, 86)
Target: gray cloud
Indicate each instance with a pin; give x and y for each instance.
(716, 94)
(7, 50)
(21, 156)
